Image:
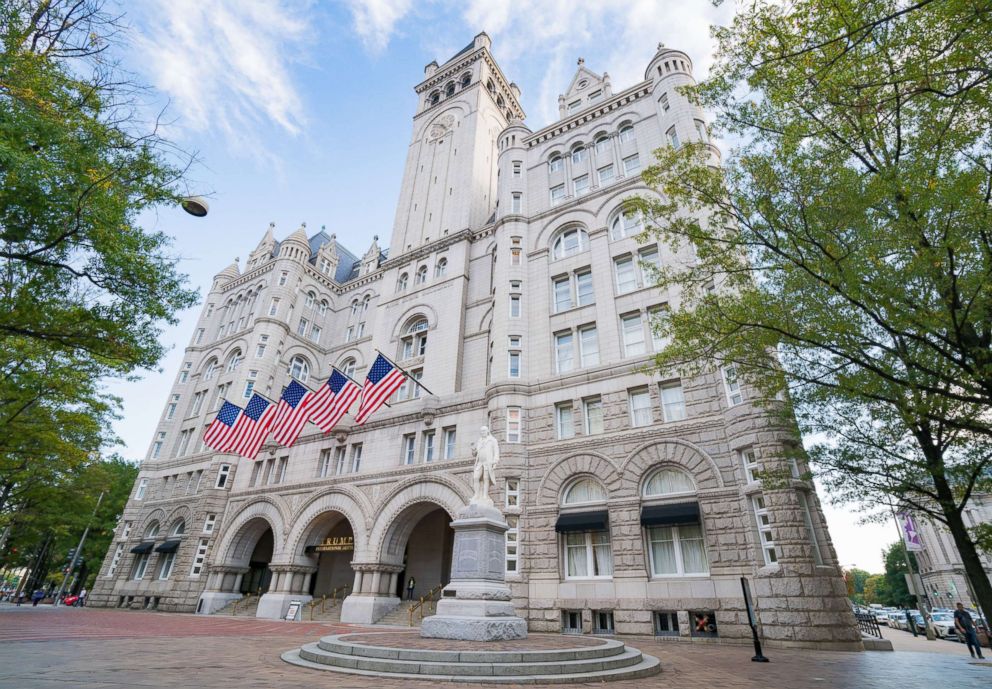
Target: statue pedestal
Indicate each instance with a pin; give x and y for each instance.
(476, 605)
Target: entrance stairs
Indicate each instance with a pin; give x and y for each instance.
(243, 607)
(611, 660)
(400, 615)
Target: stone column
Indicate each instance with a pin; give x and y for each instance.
(223, 587)
(367, 602)
(288, 584)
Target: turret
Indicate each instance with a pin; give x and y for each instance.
(296, 245)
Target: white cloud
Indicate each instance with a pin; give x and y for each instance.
(375, 20)
(225, 64)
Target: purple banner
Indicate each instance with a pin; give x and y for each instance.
(910, 533)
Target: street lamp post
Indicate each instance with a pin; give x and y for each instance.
(79, 549)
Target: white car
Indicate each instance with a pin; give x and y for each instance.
(881, 616)
(943, 625)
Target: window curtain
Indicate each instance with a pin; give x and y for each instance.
(663, 550)
(601, 554)
(575, 552)
(693, 549)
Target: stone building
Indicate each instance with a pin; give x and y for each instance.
(941, 568)
(517, 290)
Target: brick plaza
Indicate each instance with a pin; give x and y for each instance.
(43, 648)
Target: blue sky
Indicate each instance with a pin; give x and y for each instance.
(300, 111)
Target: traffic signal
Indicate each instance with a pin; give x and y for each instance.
(71, 555)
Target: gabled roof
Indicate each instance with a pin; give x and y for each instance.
(591, 80)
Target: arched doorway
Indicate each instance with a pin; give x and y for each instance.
(256, 580)
(426, 552)
(331, 547)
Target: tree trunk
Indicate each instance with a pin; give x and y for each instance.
(980, 583)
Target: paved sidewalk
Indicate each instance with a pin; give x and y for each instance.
(45, 648)
(905, 641)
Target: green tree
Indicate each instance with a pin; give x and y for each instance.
(895, 591)
(856, 579)
(873, 586)
(843, 254)
(84, 288)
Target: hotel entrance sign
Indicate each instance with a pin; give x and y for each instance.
(336, 544)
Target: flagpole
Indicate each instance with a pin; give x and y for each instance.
(405, 372)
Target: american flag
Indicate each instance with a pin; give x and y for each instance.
(382, 381)
(291, 413)
(333, 400)
(253, 426)
(220, 434)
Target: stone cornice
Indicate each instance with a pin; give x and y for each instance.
(425, 250)
(588, 115)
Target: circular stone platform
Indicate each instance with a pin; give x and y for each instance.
(538, 659)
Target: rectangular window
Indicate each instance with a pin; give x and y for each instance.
(555, 164)
(512, 492)
(324, 463)
(209, 523)
(808, 519)
(656, 314)
(222, 475)
(563, 294)
(115, 563)
(750, 463)
(583, 288)
(626, 275)
(514, 365)
(633, 334)
(766, 539)
(429, 455)
(574, 105)
(571, 621)
(664, 102)
(280, 475)
(557, 194)
(733, 385)
(515, 255)
(514, 424)
(349, 335)
(126, 532)
(356, 457)
(260, 348)
(184, 437)
(673, 138)
(517, 165)
(649, 264)
(606, 175)
(588, 555)
(512, 539)
(301, 329)
(588, 346)
(409, 448)
(199, 558)
(592, 411)
(602, 622)
(340, 460)
(142, 489)
(199, 336)
(564, 427)
(140, 565)
(256, 469)
(631, 164)
(267, 473)
(283, 277)
(157, 446)
(199, 479)
(514, 306)
(672, 401)
(640, 407)
(677, 550)
(449, 443)
(171, 411)
(315, 334)
(701, 131)
(564, 352)
(581, 185)
(242, 322)
(666, 623)
(250, 384)
(274, 306)
(516, 202)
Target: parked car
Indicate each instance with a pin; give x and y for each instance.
(943, 625)
(881, 616)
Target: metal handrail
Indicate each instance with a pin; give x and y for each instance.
(332, 598)
(314, 603)
(246, 600)
(419, 605)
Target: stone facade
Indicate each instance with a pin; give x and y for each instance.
(940, 563)
(517, 289)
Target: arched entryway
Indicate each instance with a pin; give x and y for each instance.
(331, 548)
(258, 577)
(242, 565)
(424, 539)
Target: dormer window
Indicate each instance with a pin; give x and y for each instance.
(574, 105)
(325, 266)
(595, 96)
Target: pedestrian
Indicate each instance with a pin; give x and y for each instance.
(911, 623)
(410, 584)
(966, 628)
(20, 597)
(82, 598)
(36, 597)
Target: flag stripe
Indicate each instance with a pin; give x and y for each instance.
(374, 395)
(339, 406)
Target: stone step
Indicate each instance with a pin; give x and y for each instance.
(400, 616)
(329, 615)
(630, 664)
(238, 609)
(335, 644)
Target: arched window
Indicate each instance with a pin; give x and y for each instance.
(211, 370)
(401, 282)
(323, 307)
(626, 132)
(415, 339)
(354, 307)
(489, 86)
(499, 101)
(602, 144)
(435, 97)
(668, 482)
(347, 367)
(579, 154)
(365, 305)
(555, 163)
(421, 276)
(584, 490)
(178, 529)
(234, 360)
(299, 368)
(152, 531)
(311, 298)
(628, 223)
(449, 90)
(441, 269)
(466, 79)
(569, 243)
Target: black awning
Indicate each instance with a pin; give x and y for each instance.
(582, 521)
(665, 515)
(168, 547)
(143, 548)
